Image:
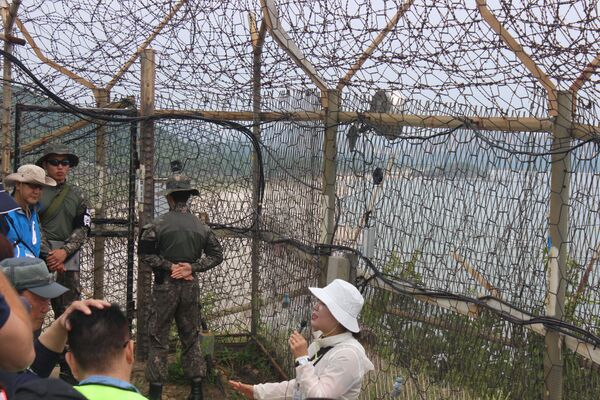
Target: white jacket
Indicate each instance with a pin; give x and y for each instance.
(338, 374)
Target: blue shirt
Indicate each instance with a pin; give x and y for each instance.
(108, 381)
(24, 232)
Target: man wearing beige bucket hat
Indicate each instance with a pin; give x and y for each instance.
(335, 363)
(23, 224)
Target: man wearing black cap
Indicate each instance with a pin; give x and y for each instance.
(30, 277)
(65, 220)
(173, 246)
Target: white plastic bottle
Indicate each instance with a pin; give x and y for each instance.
(297, 392)
(397, 388)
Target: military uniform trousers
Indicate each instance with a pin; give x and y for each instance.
(70, 280)
(175, 299)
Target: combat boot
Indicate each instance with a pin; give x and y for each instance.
(155, 391)
(196, 392)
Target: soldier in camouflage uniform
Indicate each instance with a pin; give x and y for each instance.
(65, 221)
(173, 246)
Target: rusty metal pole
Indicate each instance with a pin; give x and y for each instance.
(257, 46)
(9, 14)
(146, 214)
(102, 98)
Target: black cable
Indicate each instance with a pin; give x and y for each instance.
(556, 324)
(322, 249)
(177, 116)
(392, 282)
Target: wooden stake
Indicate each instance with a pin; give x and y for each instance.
(376, 42)
(329, 175)
(476, 275)
(257, 37)
(102, 97)
(558, 227)
(50, 62)
(147, 150)
(521, 55)
(585, 75)
(65, 130)
(271, 18)
(145, 44)
(8, 15)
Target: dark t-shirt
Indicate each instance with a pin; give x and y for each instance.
(48, 389)
(4, 311)
(43, 364)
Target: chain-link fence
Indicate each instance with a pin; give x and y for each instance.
(448, 152)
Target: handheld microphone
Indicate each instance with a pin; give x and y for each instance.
(301, 326)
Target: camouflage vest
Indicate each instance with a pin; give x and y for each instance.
(63, 222)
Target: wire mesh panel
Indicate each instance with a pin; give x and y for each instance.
(218, 160)
(290, 223)
(107, 265)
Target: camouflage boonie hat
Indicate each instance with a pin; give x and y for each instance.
(60, 150)
(179, 183)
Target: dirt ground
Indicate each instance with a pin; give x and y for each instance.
(243, 362)
(176, 391)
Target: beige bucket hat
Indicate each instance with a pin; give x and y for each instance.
(29, 173)
(343, 300)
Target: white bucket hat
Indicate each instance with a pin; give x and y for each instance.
(343, 300)
(30, 173)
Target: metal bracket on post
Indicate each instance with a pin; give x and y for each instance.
(338, 267)
(342, 266)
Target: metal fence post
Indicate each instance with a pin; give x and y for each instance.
(329, 176)
(147, 213)
(102, 98)
(9, 15)
(558, 225)
(133, 163)
(257, 45)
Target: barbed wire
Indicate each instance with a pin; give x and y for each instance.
(460, 209)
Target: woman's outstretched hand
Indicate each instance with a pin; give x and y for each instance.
(246, 390)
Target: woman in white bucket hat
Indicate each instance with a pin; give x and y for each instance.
(333, 366)
(23, 224)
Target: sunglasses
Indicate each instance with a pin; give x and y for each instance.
(56, 163)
